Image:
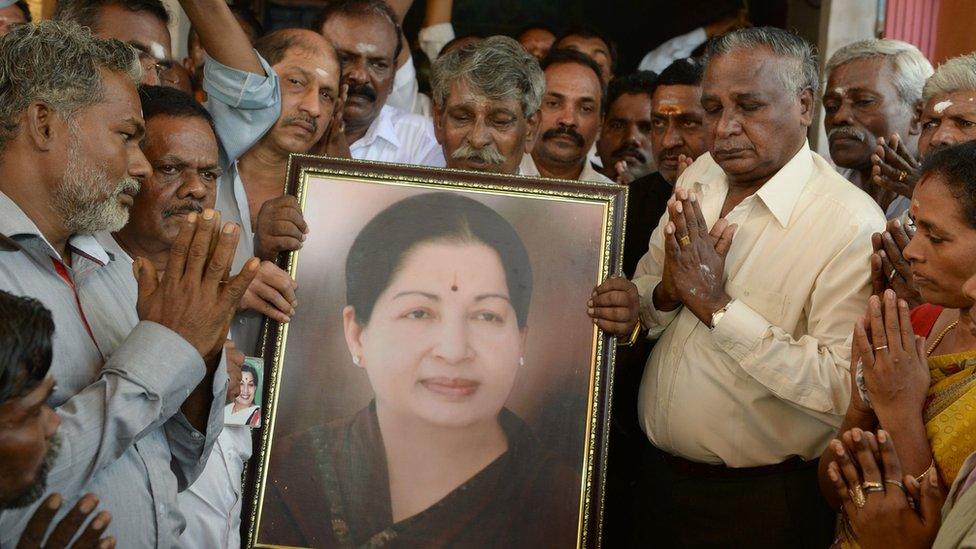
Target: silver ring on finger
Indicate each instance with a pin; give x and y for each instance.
(891, 275)
(880, 348)
(870, 487)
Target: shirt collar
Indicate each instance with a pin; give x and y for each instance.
(781, 193)
(16, 226)
(381, 128)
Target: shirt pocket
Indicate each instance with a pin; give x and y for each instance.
(771, 305)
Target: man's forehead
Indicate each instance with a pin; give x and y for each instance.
(957, 103)
(463, 95)
(190, 137)
(562, 76)
(871, 74)
(342, 29)
(313, 64)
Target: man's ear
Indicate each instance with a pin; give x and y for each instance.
(531, 131)
(42, 125)
(438, 123)
(806, 107)
(915, 128)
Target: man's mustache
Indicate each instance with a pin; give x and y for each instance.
(363, 90)
(848, 131)
(568, 132)
(183, 208)
(301, 117)
(633, 151)
(488, 155)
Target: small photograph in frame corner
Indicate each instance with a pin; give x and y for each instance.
(441, 384)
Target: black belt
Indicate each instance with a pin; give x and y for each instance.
(693, 468)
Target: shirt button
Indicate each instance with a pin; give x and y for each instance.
(197, 436)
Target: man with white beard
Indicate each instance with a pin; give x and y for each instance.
(138, 416)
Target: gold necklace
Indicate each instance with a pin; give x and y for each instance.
(939, 339)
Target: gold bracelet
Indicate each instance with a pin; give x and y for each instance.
(632, 339)
(921, 477)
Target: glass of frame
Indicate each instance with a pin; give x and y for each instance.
(441, 383)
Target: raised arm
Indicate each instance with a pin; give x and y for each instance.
(221, 35)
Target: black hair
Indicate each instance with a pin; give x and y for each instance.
(639, 82)
(957, 167)
(251, 370)
(86, 12)
(26, 334)
(360, 8)
(381, 247)
(251, 24)
(275, 45)
(457, 40)
(534, 26)
(683, 72)
(25, 9)
(591, 32)
(166, 101)
(557, 56)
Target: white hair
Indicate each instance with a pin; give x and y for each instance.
(800, 75)
(498, 67)
(956, 74)
(910, 66)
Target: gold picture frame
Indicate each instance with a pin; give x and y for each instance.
(299, 481)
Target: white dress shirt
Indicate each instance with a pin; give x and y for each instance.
(401, 137)
(589, 173)
(676, 48)
(771, 380)
(406, 94)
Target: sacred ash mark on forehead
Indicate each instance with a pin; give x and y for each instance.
(321, 72)
(941, 106)
(365, 48)
(157, 50)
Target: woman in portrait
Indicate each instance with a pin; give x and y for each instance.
(243, 411)
(438, 293)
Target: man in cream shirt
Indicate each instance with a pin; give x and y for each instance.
(749, 380)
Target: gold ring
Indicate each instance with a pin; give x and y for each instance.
(857, 497)
(871, 487)
(902, 175)
(880, 348)
(684, 241)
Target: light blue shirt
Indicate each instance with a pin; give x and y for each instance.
(120, 385)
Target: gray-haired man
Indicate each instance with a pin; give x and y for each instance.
(874, 89)
(749, 380)
(486, 104)
(138, 416)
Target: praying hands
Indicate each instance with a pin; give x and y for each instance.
(883, 508)
(694, 261)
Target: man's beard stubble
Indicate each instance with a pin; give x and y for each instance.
(79, 202)
(33, 492)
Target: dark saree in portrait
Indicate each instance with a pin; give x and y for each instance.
(328, 487)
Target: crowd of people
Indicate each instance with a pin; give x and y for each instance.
(796, 332)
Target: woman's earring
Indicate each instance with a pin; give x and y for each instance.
(521, 361)
(355, 360)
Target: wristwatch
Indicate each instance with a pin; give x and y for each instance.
(717, 315)
(633, 336)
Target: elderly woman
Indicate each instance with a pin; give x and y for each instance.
(438, 293)
(917, 380)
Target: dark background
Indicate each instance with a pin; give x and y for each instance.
(637, 26)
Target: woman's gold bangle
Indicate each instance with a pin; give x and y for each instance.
(921, 477)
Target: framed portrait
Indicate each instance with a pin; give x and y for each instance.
(245, 410)
(441, 384)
